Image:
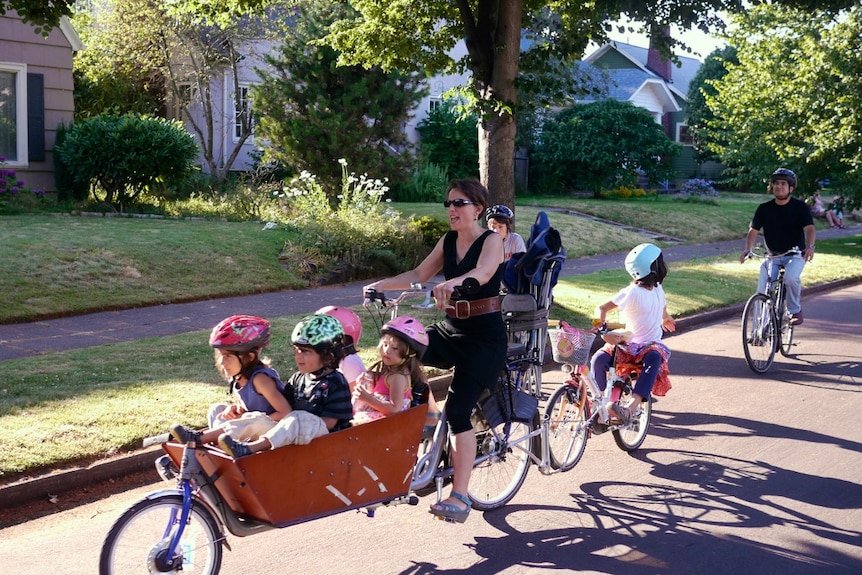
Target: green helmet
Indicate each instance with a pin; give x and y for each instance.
(320, 332)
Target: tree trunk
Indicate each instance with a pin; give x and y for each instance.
(496, 82)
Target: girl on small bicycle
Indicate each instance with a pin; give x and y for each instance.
(387, 387)
(472, 338)
(643, 308)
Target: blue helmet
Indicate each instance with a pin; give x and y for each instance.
(639, 260)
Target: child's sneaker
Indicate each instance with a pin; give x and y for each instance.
(185, 435)
(232, 447)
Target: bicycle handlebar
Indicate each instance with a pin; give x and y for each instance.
(468, 286)
(794, 251)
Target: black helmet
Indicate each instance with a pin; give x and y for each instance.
(784, 174)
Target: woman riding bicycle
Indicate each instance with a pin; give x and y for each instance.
(472, 338)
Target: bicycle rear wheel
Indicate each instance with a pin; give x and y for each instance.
(502, 461)
(785, 342)
(632, 436)
(567, 433)
(758, 333)
(138, 541)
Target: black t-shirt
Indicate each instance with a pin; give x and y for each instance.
(782, 225)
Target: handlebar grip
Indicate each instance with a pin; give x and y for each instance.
(468, 287)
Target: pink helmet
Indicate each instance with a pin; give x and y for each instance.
(349, 321)
(410, 330)
(240, 333)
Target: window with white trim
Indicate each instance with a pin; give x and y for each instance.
(434, 103)
(683, 136)
(13, 113)
(243, 111)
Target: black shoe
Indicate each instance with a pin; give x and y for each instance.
(796, 318)
(185, 435)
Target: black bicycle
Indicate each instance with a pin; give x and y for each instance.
(767, 326)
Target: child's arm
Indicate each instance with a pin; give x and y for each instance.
(397, 384)
(602, 310)
(667, 322)
(265, 386)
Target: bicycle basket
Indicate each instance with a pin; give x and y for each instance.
(571, 345)
(498, 407)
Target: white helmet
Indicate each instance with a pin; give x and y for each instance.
(640, 259)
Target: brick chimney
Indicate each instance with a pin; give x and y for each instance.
(655, 61)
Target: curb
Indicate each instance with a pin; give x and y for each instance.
(78, 477)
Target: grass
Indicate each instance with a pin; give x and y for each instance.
(86, 404)
(69, 265)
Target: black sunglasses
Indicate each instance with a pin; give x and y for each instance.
(458, 203)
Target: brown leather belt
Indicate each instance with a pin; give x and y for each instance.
(462, 309)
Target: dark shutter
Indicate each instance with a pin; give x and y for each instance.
(36, 117)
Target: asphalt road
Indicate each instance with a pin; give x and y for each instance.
(740, 474)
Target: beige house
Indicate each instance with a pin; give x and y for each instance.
(35, 96)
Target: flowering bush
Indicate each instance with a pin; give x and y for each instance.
(357, 236)
(10, 186)
(699, 187)
(625, 192)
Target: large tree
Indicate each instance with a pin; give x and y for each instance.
(793, 99)
(701, 86)
(312, 112)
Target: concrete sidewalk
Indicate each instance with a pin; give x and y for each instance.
(22, 340)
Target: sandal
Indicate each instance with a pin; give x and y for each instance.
(450, 512)
(623, 413)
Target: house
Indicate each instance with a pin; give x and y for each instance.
(35, 95)
(645, 78)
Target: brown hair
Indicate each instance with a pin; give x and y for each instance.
(472, 188)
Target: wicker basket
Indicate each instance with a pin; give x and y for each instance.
(571, 345)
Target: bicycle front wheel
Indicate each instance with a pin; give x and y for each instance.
(632, 436)
(785, 342)
(758, 333)
(502, 461)
(138, 541)
(567, 431)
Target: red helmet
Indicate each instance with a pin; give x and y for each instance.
(349, 321)
(240, 333)
(410, 330)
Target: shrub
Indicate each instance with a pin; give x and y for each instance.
(431, 228)
(699, 187)
(358, 237)
(128, 156)
(450, 141)
(625, 192)
(13, 194)
(427, 183)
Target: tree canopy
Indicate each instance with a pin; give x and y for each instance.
(792, 100)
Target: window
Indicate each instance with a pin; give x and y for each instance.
(434, 103)
(13, 114)
(243, 112)
(683, 136)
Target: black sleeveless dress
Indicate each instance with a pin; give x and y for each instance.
(475, 346)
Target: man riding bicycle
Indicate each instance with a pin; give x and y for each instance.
(786, 223)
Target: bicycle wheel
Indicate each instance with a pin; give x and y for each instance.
(567, 433)
(502, 464)
(758, 333)
(139, 539)
(632, 436)
(785, 342)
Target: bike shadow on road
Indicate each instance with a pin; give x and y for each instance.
(707, 514)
